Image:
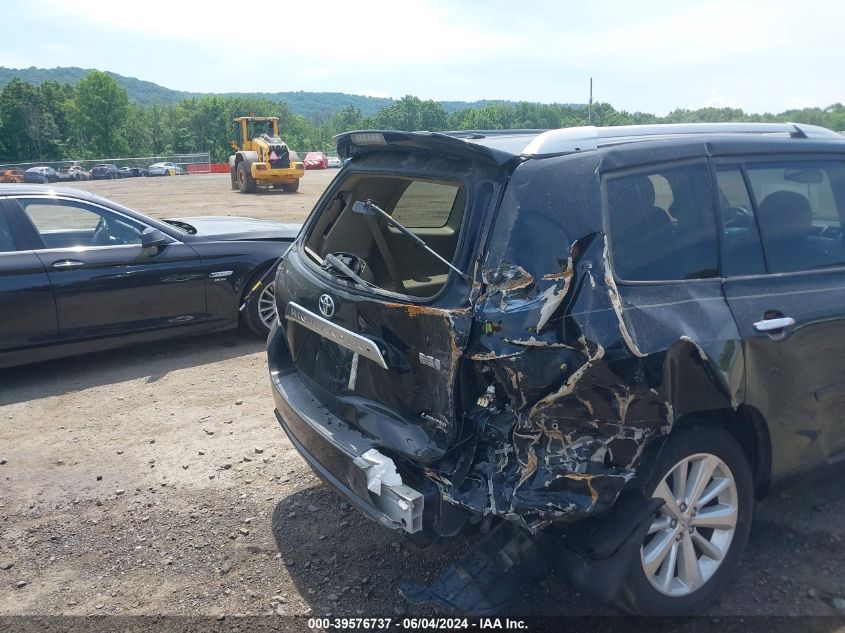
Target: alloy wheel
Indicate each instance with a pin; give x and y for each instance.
(267, 304)
(692, 532)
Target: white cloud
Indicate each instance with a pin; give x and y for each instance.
(755, 54)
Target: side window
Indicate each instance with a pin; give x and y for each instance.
(662, 226)
(743, 252)
(799, 210)
(65, 224)
(7, 244)
(425, 205)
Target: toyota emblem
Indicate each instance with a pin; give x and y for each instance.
(326, 306)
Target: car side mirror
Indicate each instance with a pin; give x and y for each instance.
(151, 237)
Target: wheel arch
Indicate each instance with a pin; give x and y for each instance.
(255, 274)
(745, 424)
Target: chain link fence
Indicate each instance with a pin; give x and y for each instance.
(187, 163)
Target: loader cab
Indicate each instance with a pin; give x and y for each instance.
(247, 128)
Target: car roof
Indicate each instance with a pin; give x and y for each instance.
(33, 189)
(505, 145)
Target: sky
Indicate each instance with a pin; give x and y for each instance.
(762, 56)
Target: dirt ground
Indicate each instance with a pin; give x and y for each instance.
(211, 194)
(155, 480)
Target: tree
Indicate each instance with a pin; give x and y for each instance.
(99, 114)
(410, 114)
(29, 113)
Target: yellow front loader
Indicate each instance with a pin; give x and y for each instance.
(261, 158)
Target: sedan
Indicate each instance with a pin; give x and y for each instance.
(133, 172)
(79, 273)
(11, 175)
(316, 160)
(164, 169)
(41, 175)
(104, 171)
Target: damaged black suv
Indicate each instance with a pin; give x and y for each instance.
(600, 345)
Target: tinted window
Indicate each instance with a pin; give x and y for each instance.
(7, 245)
(743, 252)
(662, 225)
(65, 224)
(425, 204)
(799, 211)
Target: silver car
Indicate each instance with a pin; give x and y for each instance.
(164, 169)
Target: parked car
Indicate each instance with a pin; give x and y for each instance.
(164, 169)
(104, 171)
(40, 175)
(333, 162)
(11, 175)
(133, 172)
(316, 160)
(79, 273)
(73, 173)
(620, 337)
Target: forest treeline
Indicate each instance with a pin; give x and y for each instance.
(94, 118)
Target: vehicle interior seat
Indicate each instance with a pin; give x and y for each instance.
(786, 221)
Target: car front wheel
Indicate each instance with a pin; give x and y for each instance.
(697, 537)
(260, 312)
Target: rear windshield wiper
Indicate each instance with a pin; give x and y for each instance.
(335, 262)
(347, 271)
(369, 207)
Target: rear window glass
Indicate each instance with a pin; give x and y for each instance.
(742, 253)
(661, 224)
(425, 205)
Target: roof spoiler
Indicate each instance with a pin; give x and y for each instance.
(361, 142)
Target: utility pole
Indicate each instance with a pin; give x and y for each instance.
(590, 106)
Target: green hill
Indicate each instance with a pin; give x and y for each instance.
(309, 104)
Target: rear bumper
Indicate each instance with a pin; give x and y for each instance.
(336, 451)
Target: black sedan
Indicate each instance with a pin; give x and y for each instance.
(79, 273)
(105, 171)
(133, 172)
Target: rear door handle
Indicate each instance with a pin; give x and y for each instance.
(64, 264)
(770, 325)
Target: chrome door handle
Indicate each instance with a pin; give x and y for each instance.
(769, 325)
(64, 264)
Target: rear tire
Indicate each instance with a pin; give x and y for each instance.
(234, 176)
(697, 537)
(246, 183)
(291, 187)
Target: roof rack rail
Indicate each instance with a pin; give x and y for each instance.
(578, 139)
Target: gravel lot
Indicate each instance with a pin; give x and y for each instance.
(155, 480)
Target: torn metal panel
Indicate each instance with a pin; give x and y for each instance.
(586, 372)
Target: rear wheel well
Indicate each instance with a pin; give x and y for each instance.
(749, 429)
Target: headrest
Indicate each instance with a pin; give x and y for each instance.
(785, 215)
